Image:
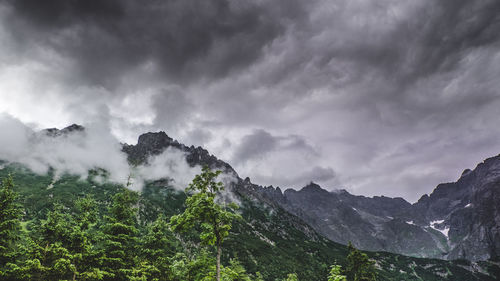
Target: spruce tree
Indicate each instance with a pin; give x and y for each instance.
(47, 254)
(10, 213)
(159, 247)
(359, 266)
(84, 238)
(120, 236)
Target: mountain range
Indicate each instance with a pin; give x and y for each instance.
(459, 220)
(286, 230)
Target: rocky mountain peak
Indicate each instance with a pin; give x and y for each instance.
(312, 187)
(54, 132)
(152, 143)
(155, 143)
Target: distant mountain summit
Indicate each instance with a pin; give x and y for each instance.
(54, 132)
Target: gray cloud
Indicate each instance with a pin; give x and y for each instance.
(289, 160)
(77, 152)
(255, 145)
(375, 90)
(184, 40)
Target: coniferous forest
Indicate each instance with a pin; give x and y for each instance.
(68, 228)
(84, 240)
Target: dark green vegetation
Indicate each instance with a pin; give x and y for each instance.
(83, 229)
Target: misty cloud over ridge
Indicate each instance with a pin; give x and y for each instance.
(79, 151)
(76, 152)
(394, 96)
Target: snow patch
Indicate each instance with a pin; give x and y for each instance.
(468, 205)
(410, 222)
(444, 231)
(436, 222)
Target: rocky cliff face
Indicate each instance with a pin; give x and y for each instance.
(150, 144)
(376, 224)
(469, 210)
(457, 220)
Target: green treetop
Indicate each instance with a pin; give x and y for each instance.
(120, 235)
(291, 277)
(336, 273)
(159, 247)
(10, 212)
(201, 208)
(359, 266)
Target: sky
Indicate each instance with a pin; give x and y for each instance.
(386, 97)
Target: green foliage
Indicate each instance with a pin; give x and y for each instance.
(10, 213)
(214, 220)
(47, 253)
(202, 209)
(66, 234)
(234, 272)
(120, 236)
(196, 268)
(291, 277)
(359, 266)
(158, 247)
(336, 273)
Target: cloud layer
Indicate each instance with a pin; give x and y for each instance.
(387, 97)
(79, 151)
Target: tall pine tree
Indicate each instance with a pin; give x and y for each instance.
(120, 236)
(159, 247)
(10, 213)
(46, 251)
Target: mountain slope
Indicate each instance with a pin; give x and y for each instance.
(459, 220)
(469, 210)
(271, 239)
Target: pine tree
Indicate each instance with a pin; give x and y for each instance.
(336, 273)
(84, 238)
(120, 236)
(10, 213)
(359, 266)
(158, 247)
(201, 207)
(46, 251)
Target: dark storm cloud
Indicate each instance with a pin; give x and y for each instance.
(260, 142)
(283, 154)
(184, 39)
(255, 145)
(377, 85)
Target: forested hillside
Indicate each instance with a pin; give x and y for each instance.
(89, 229)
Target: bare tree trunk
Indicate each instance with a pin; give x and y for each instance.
(219, 251)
